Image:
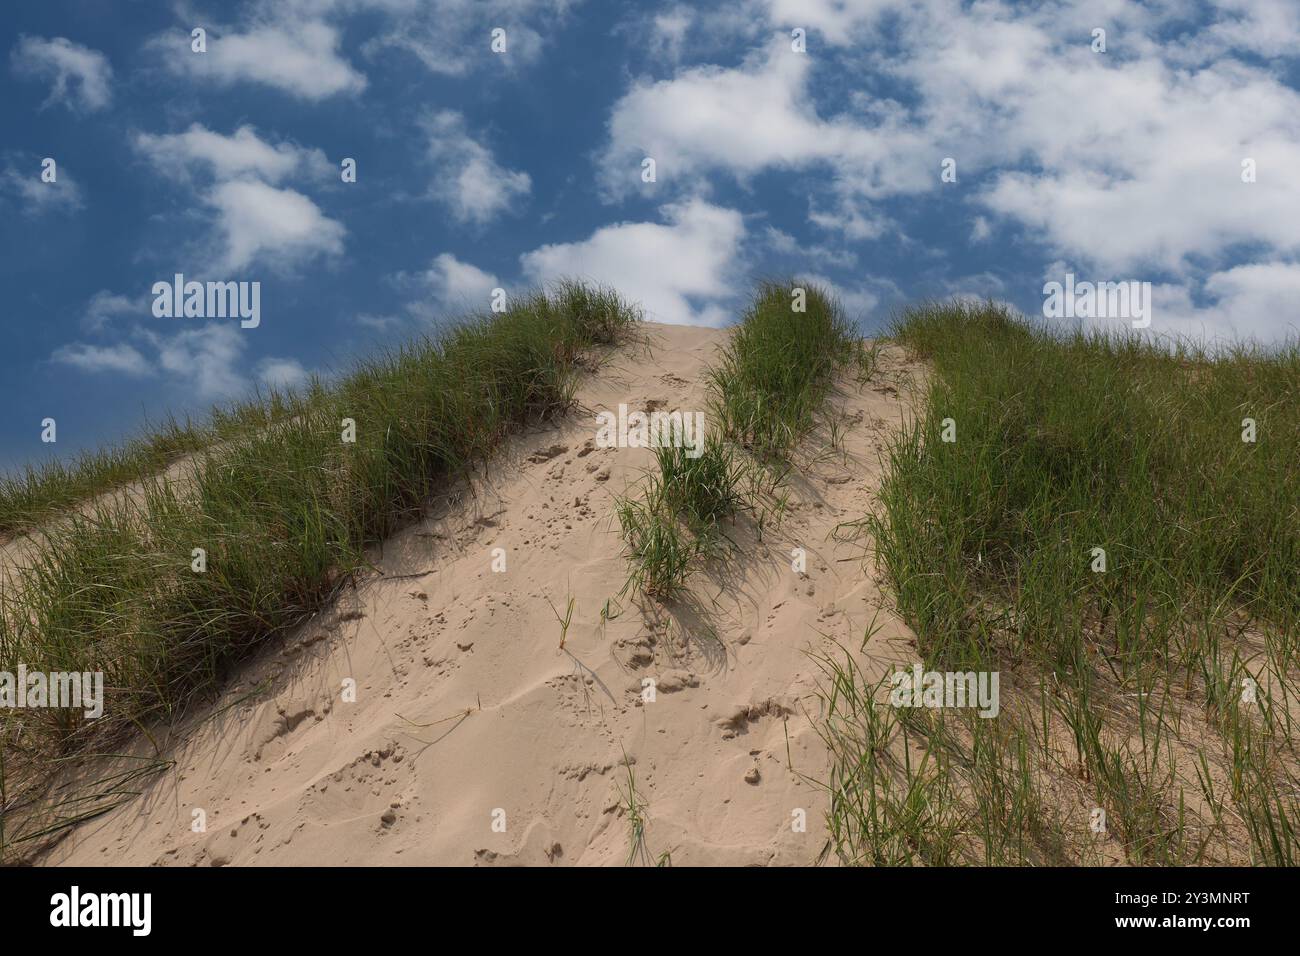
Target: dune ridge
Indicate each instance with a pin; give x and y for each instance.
(474, 739)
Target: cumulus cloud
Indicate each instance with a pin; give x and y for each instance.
(298, 56)
(452, 37)
(256, 221)
(281, 373)
(82, 77)
(296, 46)
(205, 360)
(682, 271)
(668, 31)
(120, 358)
(1256, 300)
(802, 253)
(281, 226)
(206, 356)
(105, 306)
(459, 286)
(835, 20)
(21, 182)
(467, 179)
(741, 120)
(242, 153)
(1269, 28)
(757, 117)
(1132, 180)
(859, 300)
(1129, 162)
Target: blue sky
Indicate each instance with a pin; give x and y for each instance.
(478, 169)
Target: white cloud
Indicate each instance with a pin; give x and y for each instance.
(381, 323)
(299, 56)
(206, 358)
(758, 117)
(255, 221)
(452, 37)
(82, 77)
(226, 157)
(1129, 161)
(980, 229)
(296, 45)
(467, 180)
(859, 301)
(104, 306)
(742, 120)
(1270, 28)
(849, 221)
(459, 286)
(1106, 156)
(834, 20)
(121, 358)
(281, 373)
(1257, 300)
(817, 254)
(21, 180)
(683, 271)
(1133, 180)
(669, 30)
(975, 288)
(280, 226)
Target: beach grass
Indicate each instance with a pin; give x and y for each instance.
(161, 590)
(1113, 524)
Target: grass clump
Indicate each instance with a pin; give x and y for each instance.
(706, 489)
(767, 388)
(679, 518)
(283, 518)
(772, 378)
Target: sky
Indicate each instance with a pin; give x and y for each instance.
(893, 151)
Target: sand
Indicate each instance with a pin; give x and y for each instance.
(474, 739)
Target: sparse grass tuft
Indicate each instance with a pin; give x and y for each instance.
(660, 550)
(768, 386)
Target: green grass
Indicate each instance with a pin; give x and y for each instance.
(285, 516)
(771, 380)
(768, 388)
(1068, 442)
(35, 493)
(660, 549)
(1074, 442)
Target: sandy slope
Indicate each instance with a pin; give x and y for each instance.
(467, 707)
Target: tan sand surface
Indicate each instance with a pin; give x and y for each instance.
(475, 739)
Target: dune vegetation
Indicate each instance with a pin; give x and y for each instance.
(36, 493)
(1111, 524)
(768, 386)
(162, 588)
(1114, 525)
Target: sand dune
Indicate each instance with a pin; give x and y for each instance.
(474, 739)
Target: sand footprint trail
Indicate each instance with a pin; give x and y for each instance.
(468, 712)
